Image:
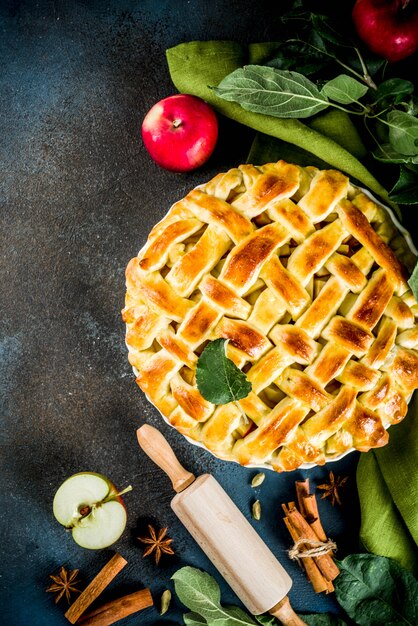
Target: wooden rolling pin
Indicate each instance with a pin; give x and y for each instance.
(223, 533)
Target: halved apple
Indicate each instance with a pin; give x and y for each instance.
(90, 506)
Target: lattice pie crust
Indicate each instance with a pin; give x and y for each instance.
(305, 276)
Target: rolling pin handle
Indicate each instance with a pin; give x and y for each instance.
(156, 446)
(284, 612)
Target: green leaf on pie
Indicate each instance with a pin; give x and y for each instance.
(403, 132)
(218, 379)
(344, 89)
(273, 92)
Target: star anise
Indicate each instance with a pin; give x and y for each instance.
(64, 583)
(331, 488)
(157, 543)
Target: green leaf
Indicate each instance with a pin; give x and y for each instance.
(323, 619)
(316, 619)
(200, 592)
(387, 154)
(299, 55)
(412, 105)
(193, 619)
(322, 26)
(266, 620)
(237, 615)
(218, 379)
(344, 89)
(393, 90)
(405, 191)
(413, 282)
(403, 132)
(375, 590)
(273, 92)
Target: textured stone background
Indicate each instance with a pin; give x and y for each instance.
(79, 194)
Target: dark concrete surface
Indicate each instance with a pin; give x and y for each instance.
(79, 194)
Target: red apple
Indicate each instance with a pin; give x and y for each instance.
(388, 27)
(180, 132)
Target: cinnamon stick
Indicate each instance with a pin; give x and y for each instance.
(116, 610)
(319, 583)
(285, 508)
(302, 490)
(312, 515)
(95, 588)
(325, 562)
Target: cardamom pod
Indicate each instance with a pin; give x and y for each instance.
(256, 510)
(165, 601)
(258, 479)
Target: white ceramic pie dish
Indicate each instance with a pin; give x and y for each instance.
(267, 466)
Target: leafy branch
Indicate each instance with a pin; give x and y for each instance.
(295, 83)
(288, 94)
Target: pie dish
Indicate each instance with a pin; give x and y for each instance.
(305, 275)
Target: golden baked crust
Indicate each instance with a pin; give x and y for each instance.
(305, 276)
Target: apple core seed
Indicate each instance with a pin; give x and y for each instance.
(84, 510)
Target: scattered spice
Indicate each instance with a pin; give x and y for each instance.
(65, 583)
(165, 601)
(157, 543)
(331, 488)
(256, 510)
(258, 479)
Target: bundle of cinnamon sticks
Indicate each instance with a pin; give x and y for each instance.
(311, 546)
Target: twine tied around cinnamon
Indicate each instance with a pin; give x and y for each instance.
(310, 548)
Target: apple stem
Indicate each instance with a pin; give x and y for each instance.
(403, 3)
(366, 76)
(176, 123)
(369, 81)
(126, 490)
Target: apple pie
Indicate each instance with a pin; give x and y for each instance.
(306, 276)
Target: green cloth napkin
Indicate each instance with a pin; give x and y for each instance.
(387, 478)
(387, 482)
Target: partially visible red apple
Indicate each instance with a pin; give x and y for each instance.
(388, 27)
(180, 132)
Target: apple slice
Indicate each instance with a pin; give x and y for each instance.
(90, 506)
